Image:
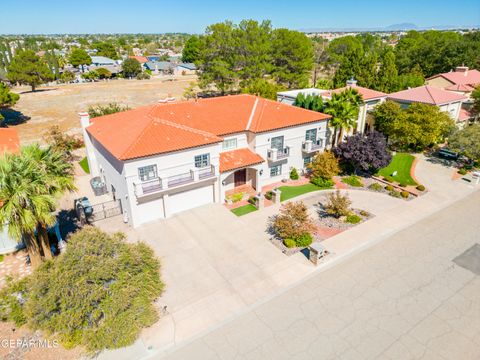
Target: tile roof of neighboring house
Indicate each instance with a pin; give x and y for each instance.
(161, 128)
(9, 140)
(236, 159)
(464, 115)
(140, 59)
(427, 95)
(367, 94)
(471, 77)
(158, 65)
(460, 87)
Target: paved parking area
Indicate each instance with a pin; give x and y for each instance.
(402, 299)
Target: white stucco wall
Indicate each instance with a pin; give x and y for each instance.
(453, 108)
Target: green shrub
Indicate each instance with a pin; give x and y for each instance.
(322, 182)
(462, 171)
(405, 194)
(236, 197)
(143, 76)
(375, 187)
(395, 193)
(289, 243)
(269, 195)
(388, 179)
(389, 188)
(304, 240)
(294, 174)
(353, 219)
(353, 180)
(364, 213)
(421, 188)
(337, 204)
(99, 294)
(252, 200)
(403, 185)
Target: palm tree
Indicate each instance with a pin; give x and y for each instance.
(29, 186)
(343, 107)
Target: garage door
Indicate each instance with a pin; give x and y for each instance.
(190, 199)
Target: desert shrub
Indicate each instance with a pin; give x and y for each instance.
(269, 195)
(324, 165)
(142, 76)
(98, 294)
(353, 219)
(337, 204)
(403, 185)
(388, 179)
(405, 194)
(62, 142)
(294, 174)
(322, 182)
(101, 110)
(289, 243)
(293, 221)
(421, 188)
(395, 193)
(353, 181)
(375, 187)
(462, 171)
(304, 240)
(364, 213)
(236, 197)
(389, 188)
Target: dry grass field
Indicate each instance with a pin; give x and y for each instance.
(60, 105)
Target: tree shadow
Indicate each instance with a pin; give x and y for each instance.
(36, 91)
(68, 221)
(13, 117)
(433, 159)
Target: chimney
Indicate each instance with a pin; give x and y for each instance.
(352, 82)
(462, 69)
(84, 119)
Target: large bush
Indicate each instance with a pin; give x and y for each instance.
(337, 204)
(98, 294)
(293, 222)
(324, 165)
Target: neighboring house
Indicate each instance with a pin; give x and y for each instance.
(462, 81)
(159, 67)
(141, 59)
(166, 158)
(448, 101)
(102, 61)
(185, 69)
(370, 99)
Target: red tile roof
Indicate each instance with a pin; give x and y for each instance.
(427, 95)
(464, 115)
(460, 88)
(236, 159)
(367, 94)
(470, 77)
(9, 141)
(141, 59)
(161, 128)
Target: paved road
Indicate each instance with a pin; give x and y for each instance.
(403, 298)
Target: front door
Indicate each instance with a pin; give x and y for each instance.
(240, 177)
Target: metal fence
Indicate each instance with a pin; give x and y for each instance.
(106, 210)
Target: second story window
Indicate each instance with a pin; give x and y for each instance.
(311, 135)
(146, 173)
(202, 160)
(229, 144)
(277, 143)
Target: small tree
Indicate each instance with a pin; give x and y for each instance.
(364, 152)
(62, 142)
(131, 67)
(294, 174)
(67, 77)
(79, 57)
(337, 204)
(103, 73)
(101, 110)
(29, 69)
(466, 141)
(102, 295)
(91, 75)
(293, 222)
(324, 166)
(7, 98)
(476, 101)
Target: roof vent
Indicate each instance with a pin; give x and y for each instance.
(352, 82)
(462, 69)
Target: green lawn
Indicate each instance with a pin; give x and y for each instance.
(243, 210)
(84, 164)
(289, 192)
(401, 163)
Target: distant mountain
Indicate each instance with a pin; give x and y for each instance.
(402, 26)
(394, 27)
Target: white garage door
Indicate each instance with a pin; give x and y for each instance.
(190, 199)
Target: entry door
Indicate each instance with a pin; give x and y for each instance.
(240, 177)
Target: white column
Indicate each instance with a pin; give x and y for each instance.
(165, 205)
(92, 160)
(258, 182)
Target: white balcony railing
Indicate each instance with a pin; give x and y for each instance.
(278, 154)
(312, 146)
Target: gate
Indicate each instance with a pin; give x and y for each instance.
(105, 210)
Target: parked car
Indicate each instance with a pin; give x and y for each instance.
(447, 154)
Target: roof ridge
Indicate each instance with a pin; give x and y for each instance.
(134, 143)
(430, 93)
(252, 113)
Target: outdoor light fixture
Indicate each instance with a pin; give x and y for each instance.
(261, 172)
(223, 182)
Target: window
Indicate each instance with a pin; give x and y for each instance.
(147, 172)
(229, 144)
(202, 160)
(307, 160)
(276, 170)
(277, 143)
(311, 135)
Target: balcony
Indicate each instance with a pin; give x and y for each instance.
(278, 154)
(149, 187)
(310, 146)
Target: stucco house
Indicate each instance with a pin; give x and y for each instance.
(448, 101)
(370, 98)
(462, 80)
(166, 158)
(185, 69)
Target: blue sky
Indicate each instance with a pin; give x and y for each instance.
(156, 16)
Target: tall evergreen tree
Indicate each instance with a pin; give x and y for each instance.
(387, 78)
(28, 68)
